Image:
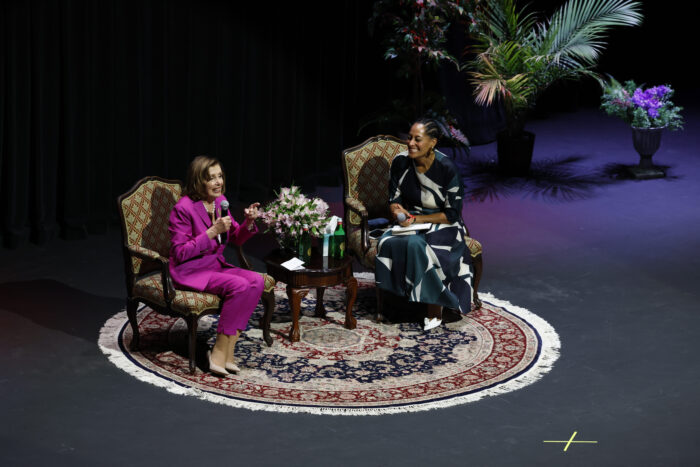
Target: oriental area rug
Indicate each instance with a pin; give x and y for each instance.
(371, 370)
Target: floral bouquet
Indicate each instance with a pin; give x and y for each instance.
(290, 211)
(650, 108)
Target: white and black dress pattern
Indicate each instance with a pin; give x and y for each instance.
(431, 266)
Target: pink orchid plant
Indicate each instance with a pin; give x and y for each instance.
(286, 215)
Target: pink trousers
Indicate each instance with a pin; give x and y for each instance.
(240, 290)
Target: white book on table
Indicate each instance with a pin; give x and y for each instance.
(410, 229)
(293, 264)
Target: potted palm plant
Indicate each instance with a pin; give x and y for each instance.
(519, 57)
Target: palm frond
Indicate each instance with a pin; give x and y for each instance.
(577, 30)
(499, 74)
(505, 22)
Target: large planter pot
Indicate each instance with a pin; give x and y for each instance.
(646, 142)
(515, 152)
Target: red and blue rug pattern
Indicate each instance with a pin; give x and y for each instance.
(371, 370)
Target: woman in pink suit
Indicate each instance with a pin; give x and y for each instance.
(197, 261)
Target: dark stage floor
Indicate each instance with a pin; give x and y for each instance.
(610, 263)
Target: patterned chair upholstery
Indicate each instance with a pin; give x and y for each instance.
(366, 191)
(144, 212)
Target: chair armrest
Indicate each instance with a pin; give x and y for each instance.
(144, 253)
(150, 255)
(357, 207)
(243, 261)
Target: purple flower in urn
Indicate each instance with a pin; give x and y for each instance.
(660, 91)
(648, 101)
(650, 108)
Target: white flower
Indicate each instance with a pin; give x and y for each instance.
(291, 209)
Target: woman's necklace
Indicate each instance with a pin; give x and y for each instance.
(210, 209)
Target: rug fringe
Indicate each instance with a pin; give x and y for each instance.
(115, 355)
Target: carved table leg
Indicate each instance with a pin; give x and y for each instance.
(350, 321)
(295, 296)
(320, 309)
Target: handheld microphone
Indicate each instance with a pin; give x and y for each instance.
(224, 213)
(401, 217)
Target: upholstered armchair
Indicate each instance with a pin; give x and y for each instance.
(144, 212)
(366, 195)
(366, 192)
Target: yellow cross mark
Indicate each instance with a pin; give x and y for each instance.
(571, 440)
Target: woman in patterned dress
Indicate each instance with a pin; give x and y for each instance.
(430, 266)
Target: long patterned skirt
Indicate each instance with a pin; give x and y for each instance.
(432, 266)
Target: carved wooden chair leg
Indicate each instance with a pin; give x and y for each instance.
(269, 304)
(192, 322)
(131, 307)
(478, 269)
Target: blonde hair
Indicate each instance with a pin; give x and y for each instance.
(198, 176)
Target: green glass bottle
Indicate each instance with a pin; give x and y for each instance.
(339, 241)
(305, 245)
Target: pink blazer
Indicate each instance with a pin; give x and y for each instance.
(193, 255)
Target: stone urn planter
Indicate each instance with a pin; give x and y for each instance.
(646, 142)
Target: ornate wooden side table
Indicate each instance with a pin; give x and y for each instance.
(320, 272)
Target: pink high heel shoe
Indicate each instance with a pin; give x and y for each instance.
(230, 366)
(214, 368)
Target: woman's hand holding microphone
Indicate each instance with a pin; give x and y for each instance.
(403, 217)
(405, 221)
(221, 225)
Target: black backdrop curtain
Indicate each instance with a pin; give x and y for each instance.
(97, 94)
